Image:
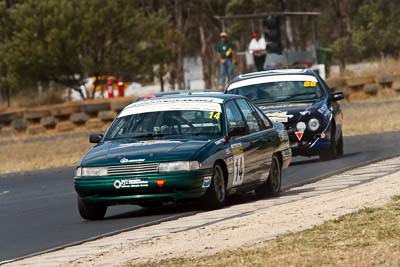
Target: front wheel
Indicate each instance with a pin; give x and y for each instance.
(272, 187)
(216, 194)
(332, 152)
(339, 146)
(91, 211)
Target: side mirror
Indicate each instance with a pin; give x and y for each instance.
(337, 96)
(238, 131)
(95, 138)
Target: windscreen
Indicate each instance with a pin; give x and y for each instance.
(261, 90)
(168, 118)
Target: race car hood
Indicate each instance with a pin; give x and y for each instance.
(117, 152)
(293, 112)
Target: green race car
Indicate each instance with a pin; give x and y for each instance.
(203, 147)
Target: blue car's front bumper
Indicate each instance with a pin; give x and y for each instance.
(310, 148)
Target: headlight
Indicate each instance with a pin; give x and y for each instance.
(301, 126)
(179, 166)
(78, 172)
(313, 124)
(92, 171)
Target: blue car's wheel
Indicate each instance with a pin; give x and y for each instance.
(340, 151)
(332, 152)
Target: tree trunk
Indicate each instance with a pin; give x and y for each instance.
(343, 22)
(161, 76)
(205, 58)
(288, 33)
(180, 73)
(172, 75)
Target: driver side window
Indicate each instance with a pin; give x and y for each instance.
(235, 121)
(252, 121)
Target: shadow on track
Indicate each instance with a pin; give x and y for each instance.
(167, 209)
(314, 160)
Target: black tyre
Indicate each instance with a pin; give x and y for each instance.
(272, 187)
(91, 211)
(332, 152)
(216, 194)
(339, 148)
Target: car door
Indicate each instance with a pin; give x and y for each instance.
(238, 142)
(261, 141)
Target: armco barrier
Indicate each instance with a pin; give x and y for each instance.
(85, 115)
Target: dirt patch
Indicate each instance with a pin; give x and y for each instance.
(254, 230)
(370, 237)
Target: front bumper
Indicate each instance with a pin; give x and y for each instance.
(177, 186)
(309, 148)
(311, 143)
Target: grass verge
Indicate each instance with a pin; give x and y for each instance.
(369, 237)
(371, 117)
(24, 155)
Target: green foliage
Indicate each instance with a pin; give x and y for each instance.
(377, 28)
(345, 48)
(69, 40)
(375, 31)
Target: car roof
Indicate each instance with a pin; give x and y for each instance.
(273, 73)
(184, 91)
(177, 92)
(212, 97)
(202, 95)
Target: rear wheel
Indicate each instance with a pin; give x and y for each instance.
(216, 194)
(90, 211)
(272, 187)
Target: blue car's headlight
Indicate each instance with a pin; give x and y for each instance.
(301, 126)
(313, 124)
(179, 166)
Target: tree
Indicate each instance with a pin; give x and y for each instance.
(6, 28)
(67, 41)
(376, 29)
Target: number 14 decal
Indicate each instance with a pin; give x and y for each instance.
(215, 115)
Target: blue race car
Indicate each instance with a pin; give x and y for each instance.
(302, 101)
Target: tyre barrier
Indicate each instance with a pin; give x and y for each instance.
(92, 115)
(360, 88)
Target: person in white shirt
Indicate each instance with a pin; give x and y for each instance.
(257, 47)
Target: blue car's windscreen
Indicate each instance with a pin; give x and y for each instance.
(279, 91)
(167, 123)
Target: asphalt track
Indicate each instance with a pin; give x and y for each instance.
(38, 209)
